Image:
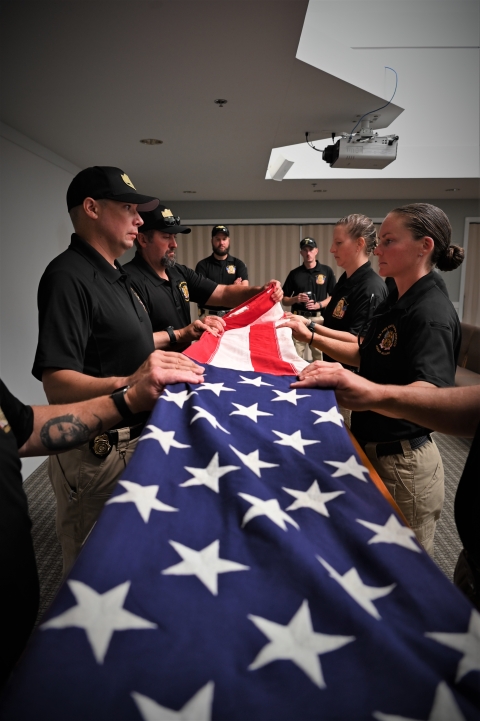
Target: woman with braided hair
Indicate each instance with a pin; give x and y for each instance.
(413, 339)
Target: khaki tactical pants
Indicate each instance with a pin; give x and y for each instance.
(82, 483)
(415, 481)
(301, 347)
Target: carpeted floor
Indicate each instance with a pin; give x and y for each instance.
(41, 502)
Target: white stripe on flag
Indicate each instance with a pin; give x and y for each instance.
(235, 353)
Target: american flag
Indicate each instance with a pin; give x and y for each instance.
(248, 569)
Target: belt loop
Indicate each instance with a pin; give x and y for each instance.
(407, 449)
(123, 435)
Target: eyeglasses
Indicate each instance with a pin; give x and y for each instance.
(171, 220)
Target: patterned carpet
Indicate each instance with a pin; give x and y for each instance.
(41, 502)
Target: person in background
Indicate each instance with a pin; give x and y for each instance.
(222, 268)
(166, 287)
(412, 340)
(308, 289)
(359, 289)
(455, 411)
(39, 430)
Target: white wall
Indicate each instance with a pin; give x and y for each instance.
(34, 228)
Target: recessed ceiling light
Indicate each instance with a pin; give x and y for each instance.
(189, 191)
(151, 141)
(220, 102)
(452, 190)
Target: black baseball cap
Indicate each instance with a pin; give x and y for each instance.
(105, 182)
(162, 219)
(307, 243)
(220, 229)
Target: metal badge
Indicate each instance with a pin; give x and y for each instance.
(101, 446)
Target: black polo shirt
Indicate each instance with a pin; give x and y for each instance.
(416, 338)
(167, 301)
(90, 320)
(320, 280)
(354, 301)
(437, 277)
(223, 272)
(20, 590)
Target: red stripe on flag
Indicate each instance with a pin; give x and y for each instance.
(203, 350)
(265, 353)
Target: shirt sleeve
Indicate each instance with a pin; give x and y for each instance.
(288, 286)
(431, 352)
(199, 288)
(18, 415)
(201, 269)
(331, 282)
(242, 271)
(64, 318)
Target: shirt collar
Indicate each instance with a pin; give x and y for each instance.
(357, 275)
(84, 249)
(415, 292)
(147, 269)
(228, 259)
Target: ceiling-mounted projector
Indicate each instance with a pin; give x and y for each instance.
(358, 151)
(365, 149)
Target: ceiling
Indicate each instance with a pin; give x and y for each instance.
(89, 79)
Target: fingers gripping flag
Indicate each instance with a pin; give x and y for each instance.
(247, 568)
(252, 341)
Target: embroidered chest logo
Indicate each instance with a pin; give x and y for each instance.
(320, 279)
(340, 308)
(127, 181)
(4, 424)
(139, 299)
(387, 339)
(230, 269)
(183, 288)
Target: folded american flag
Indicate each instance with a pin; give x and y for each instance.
(248, 569)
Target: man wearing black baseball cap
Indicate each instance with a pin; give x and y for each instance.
(221, 267)
(95, 338)
(167, 288)
(308, 288)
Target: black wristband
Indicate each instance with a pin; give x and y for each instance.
(311, 327)
(118, 397)
(311, 339)
(171, 334)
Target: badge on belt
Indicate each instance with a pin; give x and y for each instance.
(230, 269)
(183, 288)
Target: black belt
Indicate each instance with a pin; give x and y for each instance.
(395, 447)
(214, 312)
(102, 444)
(306, 314)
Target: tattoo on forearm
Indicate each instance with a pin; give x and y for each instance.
(66, 432)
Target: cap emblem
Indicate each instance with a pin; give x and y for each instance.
(167, 213)
(127, 181)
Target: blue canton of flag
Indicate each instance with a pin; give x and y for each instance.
(247, 568)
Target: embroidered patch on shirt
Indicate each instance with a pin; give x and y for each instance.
(183, 288)
(387, 340)
(230, 269)
(4, 424)
(340, 309)
(320, 280)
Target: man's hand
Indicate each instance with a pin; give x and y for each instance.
(299, 329)
(277, 294)
(210, 323)
(303, 298)
(166, 361)
(143, 395)
(351, 390)
(237, 281)
(313, 305)
(292, 316)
